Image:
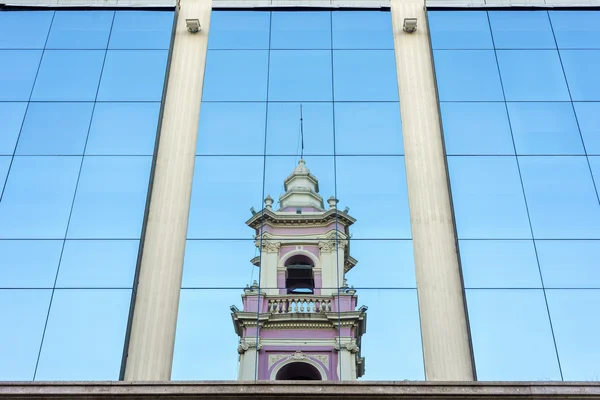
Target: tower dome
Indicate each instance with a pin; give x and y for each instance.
(301, 190)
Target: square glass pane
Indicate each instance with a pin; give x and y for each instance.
(98, 264)
(85, 335)
(55, 128)
(283, 128)
(11, 115)
(532, 75)
(511, 335)
(488, 198)
(588, 117)
(16, 29)
(88, 29)
(365, 184)
(521, 30)
(368, 128)
(365, 75)
(300, 75)
(219, 264)
(581, 70)
(223, 190)
(236, 75)
(467, 75)
(576, 324)
(236, 30)
(476, 129)
(301, 30)
(23, 314)
(375, 29)
(123, 129)
(561, 198)
(141, 30)
(576, 29)
(111, 198)
(459, 30)
(232, 129)
(29, 263)
(569, 263)
(37, 197)
(136, 75)
(499, 264)
(191, 327)
(18, 69)
(544, 128)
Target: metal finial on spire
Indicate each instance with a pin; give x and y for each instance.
(301, 134)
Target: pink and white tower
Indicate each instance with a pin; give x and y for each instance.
(302, 324)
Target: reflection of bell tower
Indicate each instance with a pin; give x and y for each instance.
(302, 324)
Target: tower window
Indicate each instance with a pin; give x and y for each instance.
(299, 275)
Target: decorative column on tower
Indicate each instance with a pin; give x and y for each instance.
(302, 323)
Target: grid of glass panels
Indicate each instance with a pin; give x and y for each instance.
(261, 68)
(520, 100)
(80, 96)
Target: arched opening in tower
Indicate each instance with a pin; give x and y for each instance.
(299, 277)
(298, 371)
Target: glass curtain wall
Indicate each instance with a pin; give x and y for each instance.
(520, 101)
(262, 68)
(80, 95)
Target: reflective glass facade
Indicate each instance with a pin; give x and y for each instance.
(519, 97)
(80, 96)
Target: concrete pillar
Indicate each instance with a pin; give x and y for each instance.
(268, 268)
(150, 352)
(444, 331)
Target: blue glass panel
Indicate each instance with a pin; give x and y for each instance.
(301, 30)
(222, 196)
(581, 70)
(283, 128)
(236, 75)
(4, 165)
(365, 75)
(85, 335)
(499, 264)
(17, 73)
(123, 129)
(232, 128)
(98, 264)
(532, 75)
(521, 30)
(23, 314)
(595, 167)
(55, 129)
(133, 75)
(239, 30)
(24, 29)
(561, 198)
(219, 264)
(368, 128)
(576, 324)
(68, 75)
(488, 198)
(37, 197)
(588, 116)
(460, 30)
(545, 128)
(511, 334)
(141, 30)
(382, 263)
(80, 30)
(363, 182)
(11, 115)
(29, 263)
(223, 340)
(576, 29)
(375, 28)
(569, 263)
(404, 331)
(111, 198)
(300, 75)
(467, 75)
(476, 128)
